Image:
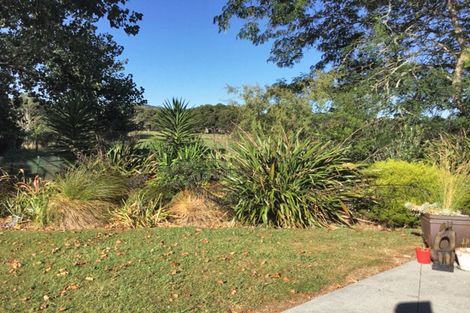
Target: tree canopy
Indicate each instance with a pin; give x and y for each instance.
(403, 57)
(53, 51)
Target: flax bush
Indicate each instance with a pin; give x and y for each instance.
(287, 181)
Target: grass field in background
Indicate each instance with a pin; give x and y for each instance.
(185, 269)
(46, 164)
(214, 141)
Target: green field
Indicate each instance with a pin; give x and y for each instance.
(46, 164)
(214, 141)
(186, 269)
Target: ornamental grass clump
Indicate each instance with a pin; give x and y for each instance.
(290, 182)
(85, 197)
(451, 155)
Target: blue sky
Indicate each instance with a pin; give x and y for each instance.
(180, 53)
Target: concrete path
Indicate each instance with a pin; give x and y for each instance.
(396, 291)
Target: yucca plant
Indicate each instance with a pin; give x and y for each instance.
(289, 182)
(176, 124)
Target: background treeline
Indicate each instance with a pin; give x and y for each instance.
(218, 118)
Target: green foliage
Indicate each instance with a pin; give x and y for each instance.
(289, 182)
(132, 158)
(73, 122)
(34, 123)
(217, 118)
(176, 124)
(192, 167)
(143, 208)
(451, 154)
(11, 134)
(380, 51)
(398, 182)
(274, 109)
(26, 200)
(183, 160)
(79, 60)
(84, 183)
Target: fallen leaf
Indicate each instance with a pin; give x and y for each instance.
(14, 265)
(63, 272)
(233, 292)
(45, 298)
(276, 275)
(89, 278)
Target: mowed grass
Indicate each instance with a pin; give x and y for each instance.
(185, 269)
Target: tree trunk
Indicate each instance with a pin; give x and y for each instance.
(459, 65)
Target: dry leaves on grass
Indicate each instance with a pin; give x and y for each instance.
(14, 265)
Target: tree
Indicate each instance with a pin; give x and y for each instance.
(34, 122)
(10, 131)
(274, 110)
(217, 118)
(52, 50)
(404, 57)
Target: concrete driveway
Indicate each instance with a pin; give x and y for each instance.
(396, 291)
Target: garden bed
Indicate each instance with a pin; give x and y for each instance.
(187, 269)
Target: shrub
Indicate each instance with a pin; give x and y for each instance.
(451, 154)
(7, 189)
(176, 123)
(398, 182)
(81, 183)
(289, 182)
(143, 208)
(189, 208)
(133, 158)
(85, 196)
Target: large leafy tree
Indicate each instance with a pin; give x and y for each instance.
(52, 50)
(401, 57)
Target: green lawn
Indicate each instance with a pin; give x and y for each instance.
(184, 269)
(215, 141)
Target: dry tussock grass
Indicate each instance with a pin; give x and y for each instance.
(189, 208)
(70, 214)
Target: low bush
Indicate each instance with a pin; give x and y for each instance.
(289, 182)
(82, 183)
(189, 208)
(143, 208)
(451, 155)
(85, 196)
(395, 183)
(24, 200)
